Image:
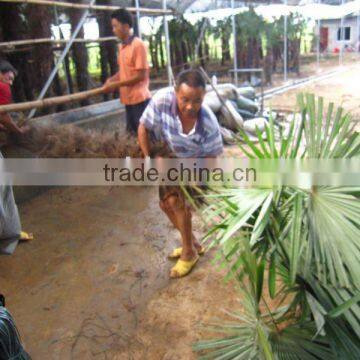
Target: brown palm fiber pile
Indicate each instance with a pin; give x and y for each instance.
(70, 141)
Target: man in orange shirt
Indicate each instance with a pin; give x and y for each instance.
(133, 76)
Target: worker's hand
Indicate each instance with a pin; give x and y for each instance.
(109, 86)
(25, 129)
(2, 127)
(105, 87)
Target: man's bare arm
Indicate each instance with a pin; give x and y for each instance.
(143, 138)
(113, 85)
(9, 124)
(108, 85)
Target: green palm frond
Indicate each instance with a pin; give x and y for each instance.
(299, 246)
(334, 245)
(251, 337)
(297, 342)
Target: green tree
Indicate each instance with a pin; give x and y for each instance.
(223, 31)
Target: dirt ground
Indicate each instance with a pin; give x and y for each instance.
(94, 283)
(343, 89)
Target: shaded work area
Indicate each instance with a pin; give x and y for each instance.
(99, 255)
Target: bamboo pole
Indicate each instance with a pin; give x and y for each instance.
(53, 41)
(90, 7)
(53, 101)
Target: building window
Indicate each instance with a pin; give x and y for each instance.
(345, 33)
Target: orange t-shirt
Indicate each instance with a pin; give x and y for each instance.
(132, 57)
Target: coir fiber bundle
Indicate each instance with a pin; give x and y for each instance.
(70, 141)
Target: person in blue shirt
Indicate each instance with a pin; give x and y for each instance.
(178, 117)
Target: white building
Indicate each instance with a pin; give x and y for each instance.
(335, 33)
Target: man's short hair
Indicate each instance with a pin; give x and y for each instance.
(5, 67)
(192, 78)
(123, 16)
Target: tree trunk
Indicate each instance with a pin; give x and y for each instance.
(268, 66)
(105, 30)
(250, 55)
(297, 45)
(256, 50)
(185, 53)
(104, 60)
(227, 48)
(176, 54)
(238, 51)
(153, 52)
(39, 20)
(276, 56)
(207, 49)
(14, 28)
(223, 49)
(80, 55)
(58, 89)
(161, 49)
(108, 61)
(42, 57)
(182, 52)
(201, 54)
(67, 68)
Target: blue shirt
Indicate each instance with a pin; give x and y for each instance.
(162, 119)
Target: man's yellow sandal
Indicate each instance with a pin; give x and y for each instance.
(182, 267)
(24, 236)
(177, 253)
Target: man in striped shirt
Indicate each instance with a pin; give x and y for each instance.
(178, 117)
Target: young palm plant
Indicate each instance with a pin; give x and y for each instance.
(294, 251)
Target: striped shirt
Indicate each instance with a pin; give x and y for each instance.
(162, 119)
